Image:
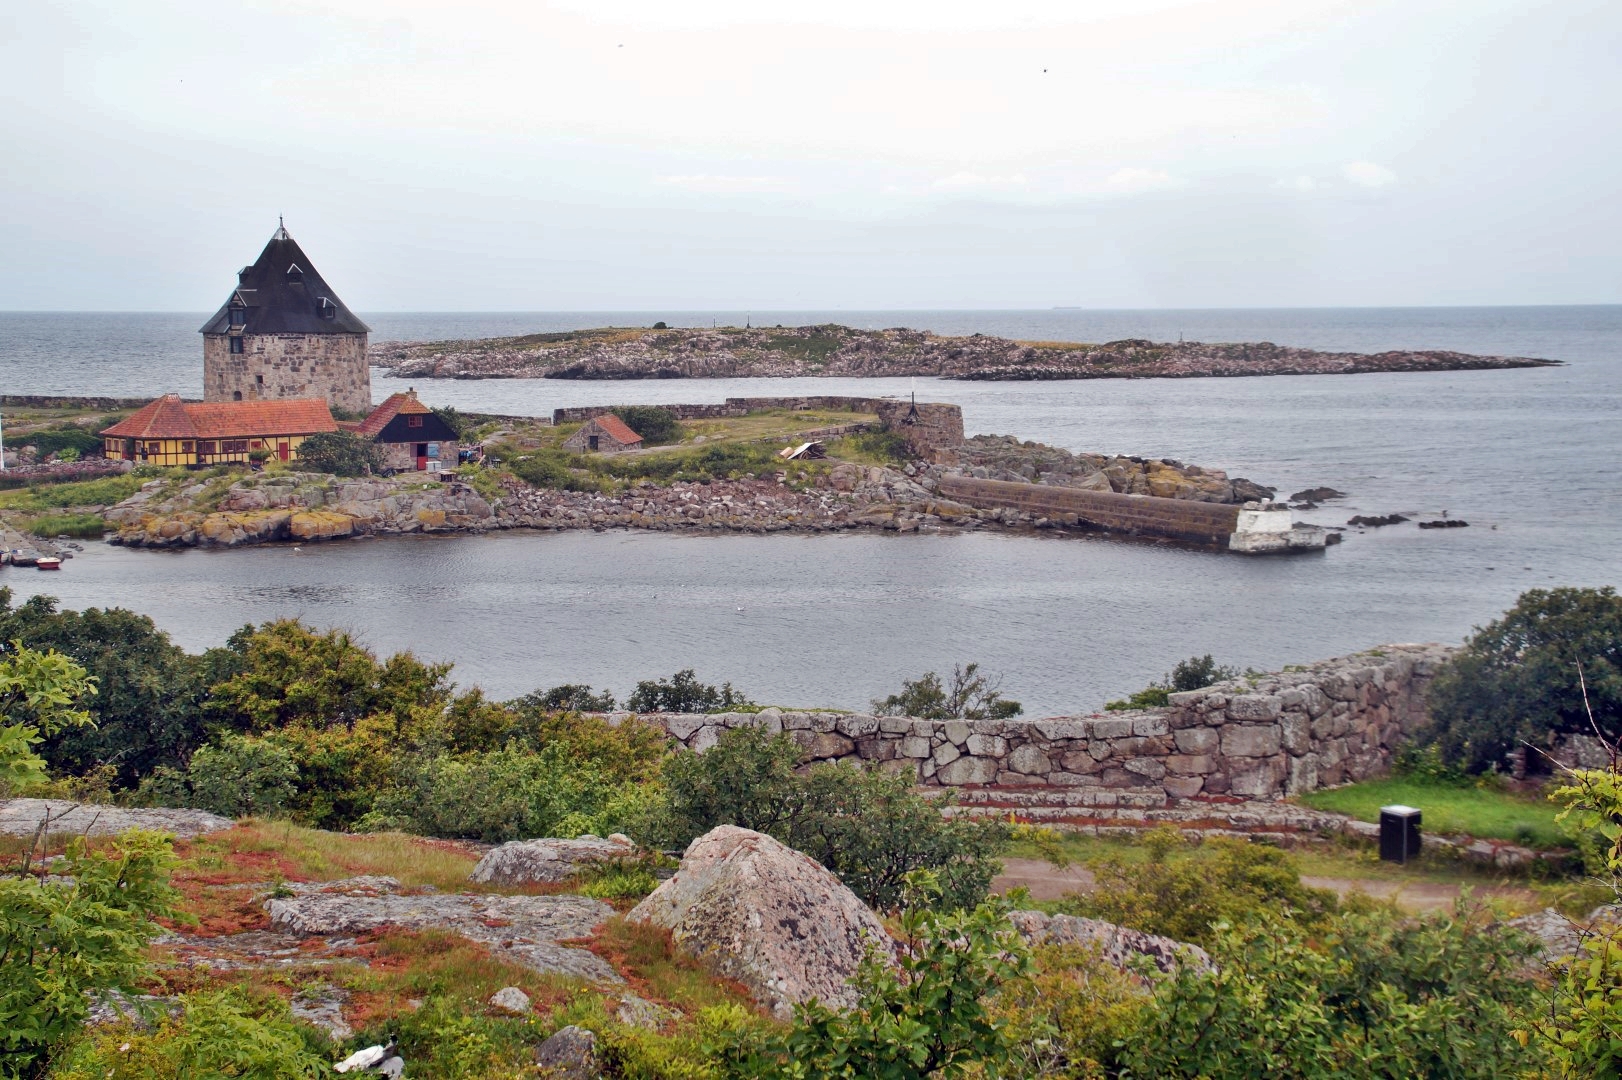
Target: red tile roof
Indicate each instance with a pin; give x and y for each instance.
(395, 405)
(615, 428)
(170, 418)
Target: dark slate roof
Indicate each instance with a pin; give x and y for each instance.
(279, 303)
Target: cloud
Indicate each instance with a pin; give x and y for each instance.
(722, 184)
(1368, 174)
(1297, 183)
(1132, 180)
(968, 181)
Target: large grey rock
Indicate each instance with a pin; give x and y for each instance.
(523, 862)
(768, 916)
(511, 999)
(570, 1054)
(523, 929)
(1116, 944)
(23, 817)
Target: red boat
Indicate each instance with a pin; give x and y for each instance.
(49, 562)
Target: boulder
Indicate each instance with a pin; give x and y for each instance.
(768, 916)
(1116, 945)
(23, 817)
(511, 999)
(570, 1054)
(522, 862)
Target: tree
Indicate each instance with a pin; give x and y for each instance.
(39, 695)
(683, 693)
(1520, 680)
(1195, 673)
(654, 424)
(870, 827)
(148, 707)
(971, 696)
(341, 453)
(569, 697)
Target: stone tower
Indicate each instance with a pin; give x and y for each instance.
(283, 333)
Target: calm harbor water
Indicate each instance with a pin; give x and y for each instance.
(1528, 457)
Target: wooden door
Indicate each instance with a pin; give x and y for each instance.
(283, 450)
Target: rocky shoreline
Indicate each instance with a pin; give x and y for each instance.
(301, 507)
(839, 351)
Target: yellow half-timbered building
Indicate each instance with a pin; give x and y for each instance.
(169, 431)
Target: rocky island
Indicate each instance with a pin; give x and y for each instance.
(832, 350)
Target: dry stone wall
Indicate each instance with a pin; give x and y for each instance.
(1262, 737)
(1184, 519)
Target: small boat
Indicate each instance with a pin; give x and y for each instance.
(48, 562)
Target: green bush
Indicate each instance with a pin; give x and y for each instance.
(712, 461)
(227, 1033)
(341, 453)
(62, 943)
(870, 827)
(927, 1014)
(552, 469)
(569, 697)
(1195, 673)
(1516, 681)
(683, 693)
(67, 437)
(1378, 997)
(971, 696)
(1186, 898)
(242, 776)
(657, 426)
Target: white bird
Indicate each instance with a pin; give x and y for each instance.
(297, 550)
(385, 1059)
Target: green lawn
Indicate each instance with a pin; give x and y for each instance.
(1481, 812)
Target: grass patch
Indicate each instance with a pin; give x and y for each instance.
(80, 525)
(100, 492)
(647, 957)
(872, 448)
(1481, 812)
(256, 850)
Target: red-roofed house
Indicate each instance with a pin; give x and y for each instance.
(169, 431)
(412, 435)
(606, 433)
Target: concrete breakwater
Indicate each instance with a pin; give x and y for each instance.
(1257, 737)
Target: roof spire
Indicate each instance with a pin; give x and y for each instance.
(281, 230)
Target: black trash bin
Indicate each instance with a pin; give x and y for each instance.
(1399, 833)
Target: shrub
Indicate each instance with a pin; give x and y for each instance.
(870, 827)
(552, 469)
(656, 425)
(1186, 899)
(971, 696)
(881, 447)
(242, 777)
(1516, 681)
(81, 442)
(569, 697)
(1195, 673)
(341, 453)
(61, 943)
(927, 1014)
(227, 1033)
(1073, 1018)
(683, 693)
(1382, 996)
(40, 694)
(456, 421)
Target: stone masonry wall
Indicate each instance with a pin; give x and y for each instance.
(1183, 519)
(331, 366)
(1261, 738)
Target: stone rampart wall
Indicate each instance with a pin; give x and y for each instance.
(732, 407)
(1182, 519)
(1262, 738)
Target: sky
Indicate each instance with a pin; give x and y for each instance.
(641, 155)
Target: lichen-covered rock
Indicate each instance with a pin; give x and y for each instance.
(570, 1054)
(1116, 945)
(523, 929)
(768, 916)
(548, 861)
(23, 817)
(511, 999)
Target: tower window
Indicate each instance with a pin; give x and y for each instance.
(236, 344)
(294, 274)
(259, 380)
(239, 316)
(327, 308)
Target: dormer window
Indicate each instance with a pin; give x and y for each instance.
(294, 274)
(413, 421)
(239, 316)
(327, 309)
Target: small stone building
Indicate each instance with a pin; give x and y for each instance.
(283, 334)
(604, 434)
(412, 436)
